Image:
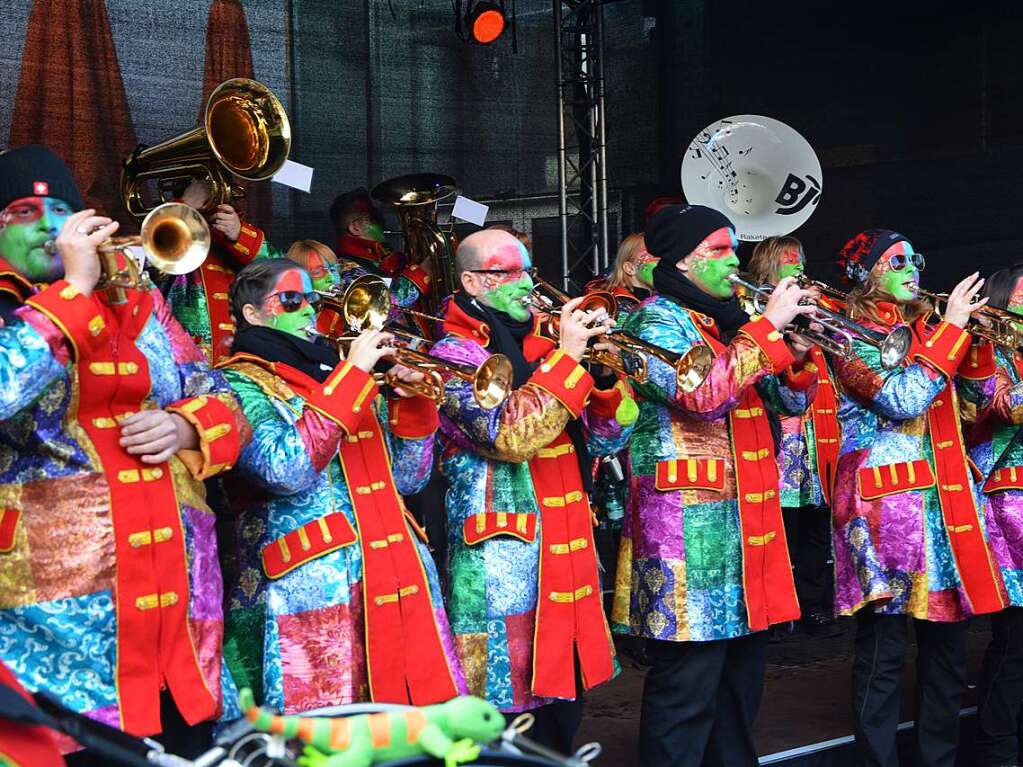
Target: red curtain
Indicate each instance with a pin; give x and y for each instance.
(229, 54)
(71, 97)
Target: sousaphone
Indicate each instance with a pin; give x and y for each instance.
(756, 170)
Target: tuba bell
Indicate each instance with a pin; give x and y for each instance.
(756, 170)
(414, 199)
(244, 132)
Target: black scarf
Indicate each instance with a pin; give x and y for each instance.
(506, 337)
(272, 345)
(727, 313)
(506, 334)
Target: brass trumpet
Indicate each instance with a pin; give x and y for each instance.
(244, 132)
(988, 322)
(366, 304)
(175, 239)
(839, 331)
(691, 368)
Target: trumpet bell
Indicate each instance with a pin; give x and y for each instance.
(175, 238)
(693, 368)
(895, 348)
(493, 381)
(756, 170)
(366, 303)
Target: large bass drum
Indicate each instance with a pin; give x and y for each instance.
(756, 170)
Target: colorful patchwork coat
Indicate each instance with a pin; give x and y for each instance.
(809, 444)
(338, 599)
(110, 587)
(909, 532)
(703, 554)
(997, 402)
(524, 591)
(199, 299)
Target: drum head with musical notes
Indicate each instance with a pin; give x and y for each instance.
(757, 171)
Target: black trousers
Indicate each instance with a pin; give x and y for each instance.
(1000, 692)
(941, 679)
(178, 737)
(808, 533)
(556, 724)
(699, 702)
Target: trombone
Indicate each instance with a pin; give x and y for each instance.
(839, 331)
(366, 303)
(691, 367)
(988, 322)
(175, 239)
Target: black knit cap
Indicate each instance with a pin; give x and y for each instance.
(858, 256)
(675, 231)
(35, 171)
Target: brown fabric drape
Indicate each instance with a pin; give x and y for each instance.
(229, 54)
(71, 97)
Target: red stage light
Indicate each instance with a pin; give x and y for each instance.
(487, 22)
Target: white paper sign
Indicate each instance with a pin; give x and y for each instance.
(470, 210)
(296, 175)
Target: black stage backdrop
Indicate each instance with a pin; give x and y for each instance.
(915, 112)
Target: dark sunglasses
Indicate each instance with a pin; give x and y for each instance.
(898, 261)
(292, 300)
(501, 272)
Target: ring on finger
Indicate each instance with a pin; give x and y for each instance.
(82, 230)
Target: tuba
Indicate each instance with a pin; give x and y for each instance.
(757, 171)
(244, 132)
(414, 199)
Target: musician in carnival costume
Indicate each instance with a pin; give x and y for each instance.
(199, 299)
(703, 567)
(110, 589)
(360, 244)
(909, 523)
(809, 452)
(995, 407)
(338, 600)
(331, 275)
(524, 591)
(632, 275)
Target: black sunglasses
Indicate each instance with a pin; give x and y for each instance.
(292, 300)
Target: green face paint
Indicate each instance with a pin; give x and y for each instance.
(294, 323)
(507, 297)
(25, 226)
(374, 232)
(324, 283)
(790, 264)
(901, 284)
(645, 273)
(712, 262)
(1015, 303)
(295, 283)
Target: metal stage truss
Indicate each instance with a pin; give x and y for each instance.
(582, 162)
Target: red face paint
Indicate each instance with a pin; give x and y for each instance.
(1016, 299)
(317, 266)
(791, 257)
(23, 211)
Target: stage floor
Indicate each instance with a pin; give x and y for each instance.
(806, 697)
